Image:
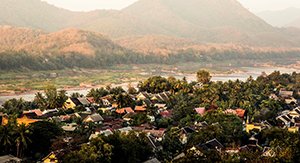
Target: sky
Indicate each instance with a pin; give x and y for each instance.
(88, 5)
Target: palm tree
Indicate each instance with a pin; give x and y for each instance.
(22, 139)
(6, 138)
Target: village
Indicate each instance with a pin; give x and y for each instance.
(165, 112)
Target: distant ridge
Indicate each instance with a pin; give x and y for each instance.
(204, 21)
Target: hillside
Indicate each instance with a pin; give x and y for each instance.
(61, 42)
(282, 18)
(205, 21)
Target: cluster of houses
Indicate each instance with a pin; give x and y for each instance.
(113, 118)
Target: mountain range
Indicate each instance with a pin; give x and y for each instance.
(141, 33)
(203, 21)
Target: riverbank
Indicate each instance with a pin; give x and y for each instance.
(242, 74)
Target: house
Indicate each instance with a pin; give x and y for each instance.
(184, 134)
(274, 96)
(71, 127)
(33, 113)
(10, 159)
(285, 119)
(166, 114)
(107, 100)
(154, 143)
(148, 102)
(55, 156)
(199, 125)
(50, 112)
(156, 133)
(213, 144)
(143, 95)
(140, 108)
(106, 132)
(124, 110)
(128, 116)
(153, 160)
(161, 106)
(268, 152)
(253, 143)
(72, 103)
(125, 130)
(200, 111)
(295, 113)
(91, 100)
(93, 118)
(285, 94)
(238, 112)
(50, 158)
(293, 129)
(250, 127)
(198, 85)
(106, 110)
(290, 100)
(23, 120)
(63, 118)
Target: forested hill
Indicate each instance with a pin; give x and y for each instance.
(28, 49)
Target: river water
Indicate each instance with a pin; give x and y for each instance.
(243, 75)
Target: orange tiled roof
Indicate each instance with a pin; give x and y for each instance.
(140, 108)
(240, 112)
(124, 110)
(23, 120)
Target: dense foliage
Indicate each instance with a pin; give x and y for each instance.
(103, 59)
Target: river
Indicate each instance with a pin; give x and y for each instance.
(242, 75)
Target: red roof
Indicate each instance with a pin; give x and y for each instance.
(91, 99)
(166, 114)
(156, 133)
(200, 111)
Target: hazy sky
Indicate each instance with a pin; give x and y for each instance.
(87, 5)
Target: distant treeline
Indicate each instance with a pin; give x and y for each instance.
(26, 61)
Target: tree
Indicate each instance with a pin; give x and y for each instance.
(131, 89)
(22, 139)
(129, 148)
(43, 133)
(6, 139)
(124, 100)
(96, 94)
(52, 98)
(97, 151)
(15, 106)
(203, 76)
(155, 84)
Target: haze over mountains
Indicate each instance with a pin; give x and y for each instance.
(289, 17)
(151, 27)
(205, 21)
